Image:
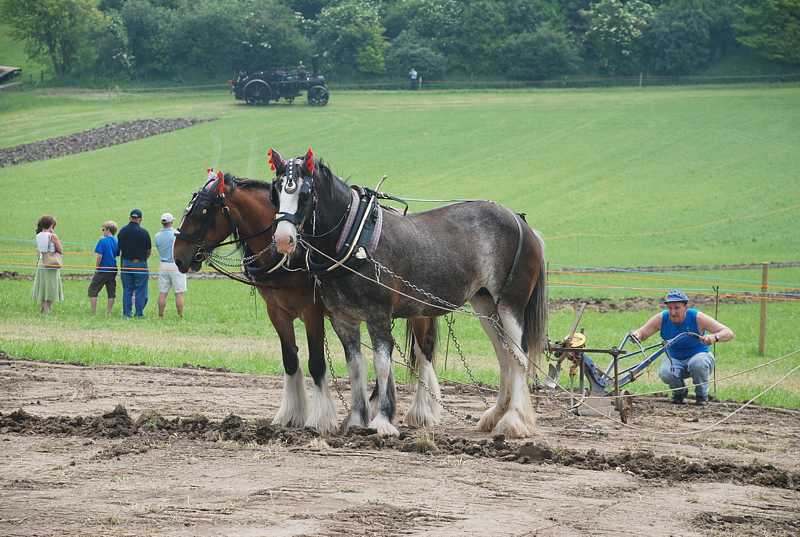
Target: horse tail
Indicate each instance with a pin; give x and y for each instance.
(429, 342)
(534, 332)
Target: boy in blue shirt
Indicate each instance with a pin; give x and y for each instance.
(107, 250)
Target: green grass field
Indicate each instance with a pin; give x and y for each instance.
(623, 177)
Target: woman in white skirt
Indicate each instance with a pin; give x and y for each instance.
(47, 286)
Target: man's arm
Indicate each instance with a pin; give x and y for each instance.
(716, 330)
(649, 328)
(98, 257)
(149, 246)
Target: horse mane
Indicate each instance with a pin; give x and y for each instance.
(247, 184)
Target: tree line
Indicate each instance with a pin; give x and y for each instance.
(362, 39)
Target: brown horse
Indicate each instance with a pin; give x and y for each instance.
(227, 206)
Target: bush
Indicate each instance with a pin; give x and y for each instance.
(409, 50)
(542, 54)
(678, 40)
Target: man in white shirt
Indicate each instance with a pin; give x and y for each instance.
(169, 277)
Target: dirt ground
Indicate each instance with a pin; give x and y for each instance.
(145, 451)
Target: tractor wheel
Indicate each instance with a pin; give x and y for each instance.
(318, 96)
(257, 93)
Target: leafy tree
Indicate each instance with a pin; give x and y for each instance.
(409, 50)
(310, 9)
(527, 15)
(111, 40)
(150, 36)
(542, 54)
(351, 36)
(53, 30)
(272, 36)
(206, 36)
(614, 32)
(772, 27)
(473, 48)
(679, 38)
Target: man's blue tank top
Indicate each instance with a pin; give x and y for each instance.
(686, 347)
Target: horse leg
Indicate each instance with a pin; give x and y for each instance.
(484, 305)
(424, 410)
(322, 415)
(349, 334)
(292, 411)
(519, 419)
(382, 344)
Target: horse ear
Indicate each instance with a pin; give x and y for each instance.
(308, 162)
(276, 162)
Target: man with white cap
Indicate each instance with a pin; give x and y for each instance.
(689, 356)
(169, 277)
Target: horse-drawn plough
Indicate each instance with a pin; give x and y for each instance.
(595, 382)
(315, 246)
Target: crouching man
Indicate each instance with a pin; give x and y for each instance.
(688, 356)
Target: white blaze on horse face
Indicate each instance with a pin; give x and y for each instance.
(286, 232)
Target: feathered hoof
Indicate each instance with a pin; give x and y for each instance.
(383, 426)
(512, 425)
(489, 419)
(322, 426)
(285, 419)
(353, 420)
(417, 417)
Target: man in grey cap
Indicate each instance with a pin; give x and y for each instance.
(169, 277)
(134, 249)
(688, 356)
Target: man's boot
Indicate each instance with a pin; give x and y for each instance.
(678, 396)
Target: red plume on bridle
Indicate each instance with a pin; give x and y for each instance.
(310, 161)
(270, 160)
(221, 183)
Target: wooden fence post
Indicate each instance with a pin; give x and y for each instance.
(762, 333)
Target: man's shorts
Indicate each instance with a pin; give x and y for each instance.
(170, 277)
(100, 279)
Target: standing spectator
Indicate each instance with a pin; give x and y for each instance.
(47, 286)
(413, 79)
(169, 276)
(105, 273)
(134, 249)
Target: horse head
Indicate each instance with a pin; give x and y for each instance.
(205, 224)
(293, 195)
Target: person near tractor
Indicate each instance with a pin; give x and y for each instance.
(688, 356)
(413, 79)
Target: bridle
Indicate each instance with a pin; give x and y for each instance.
(307, 198)
(206, 199)
(305, 223)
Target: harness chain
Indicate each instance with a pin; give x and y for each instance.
(424, 384)
(449, 306)
(333, 373)
(224, 260)
(452, 334)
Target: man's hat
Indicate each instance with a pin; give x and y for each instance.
(167, 217)
(136, 213)
(676, 295)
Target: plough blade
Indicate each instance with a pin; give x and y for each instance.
(553, 374)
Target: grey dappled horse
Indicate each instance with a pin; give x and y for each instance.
(477, 252)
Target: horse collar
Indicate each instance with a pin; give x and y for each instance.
(359, 236)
